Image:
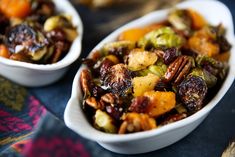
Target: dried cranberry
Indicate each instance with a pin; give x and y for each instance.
(170, 55)
(192, 92)
(114, 111)
(97, 91)
(139, 104)
(56, 35)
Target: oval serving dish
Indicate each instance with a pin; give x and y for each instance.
(34, 75)
(214, 12)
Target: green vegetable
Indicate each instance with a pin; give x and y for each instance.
(217, 68)
(104, 122)
(205, 75)
(163, 37)
(158, 69)
(180, 20)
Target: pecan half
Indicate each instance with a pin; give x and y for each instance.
(86, 82)
(174, 118)
(178, 69)
(92, 102)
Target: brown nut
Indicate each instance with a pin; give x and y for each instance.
(92, 102)
(174, 118)
(178, 69)
(86, 82)
(135, 122)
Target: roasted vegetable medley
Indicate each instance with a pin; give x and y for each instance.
(32, 31)
(155, 75)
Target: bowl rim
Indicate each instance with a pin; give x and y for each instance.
(100, 136)
(67, 7)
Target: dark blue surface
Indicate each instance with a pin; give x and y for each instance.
(208, 140)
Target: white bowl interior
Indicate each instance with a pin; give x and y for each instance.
(215, 12)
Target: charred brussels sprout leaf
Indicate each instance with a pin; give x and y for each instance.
(192, 92)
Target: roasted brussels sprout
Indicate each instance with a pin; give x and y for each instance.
(216, 68)
(192, 92)
(205, 75)
(163, 37)
(180, 20)
(104, 122)
(118, 79)
(28, 39)
(158, 69)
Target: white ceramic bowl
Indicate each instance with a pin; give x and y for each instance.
(33, 75)
(215, 12)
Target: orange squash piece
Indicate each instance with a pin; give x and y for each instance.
(133, 34)
(197, 20)
(223, 57)
(160, 102)
(4, 51)
(153, 27)
(15, 8)
(203, 46)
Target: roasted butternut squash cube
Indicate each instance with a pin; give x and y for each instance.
(144, 83)
(160, 102)
(139, 59)
(197, 20)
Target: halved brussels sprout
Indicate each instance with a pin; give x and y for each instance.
(216, 68)
(27, 39)
(104, 122)
(163, 37)
(180, 20)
